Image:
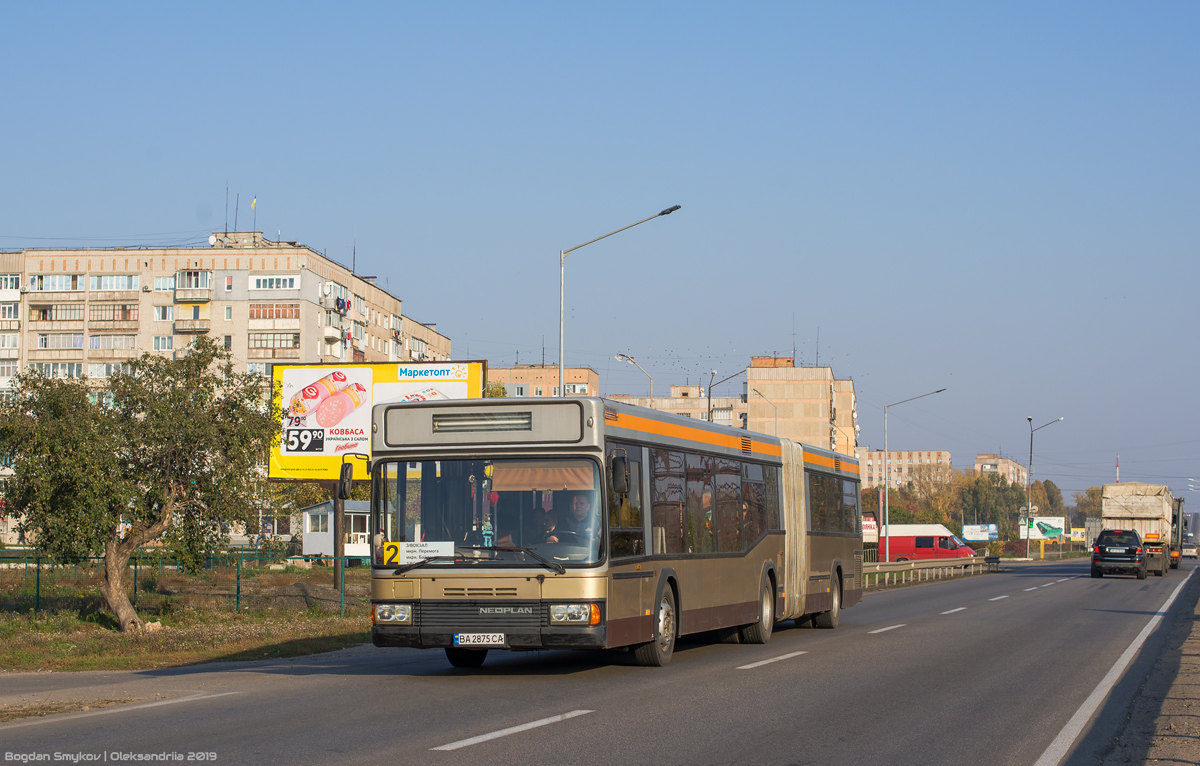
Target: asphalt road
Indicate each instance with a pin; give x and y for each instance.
(985, 669)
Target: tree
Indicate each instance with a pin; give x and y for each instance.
(1054, 499)
(1087, 503)
(174, 449)
(494, 390)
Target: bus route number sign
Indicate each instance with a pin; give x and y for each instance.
(304, 440)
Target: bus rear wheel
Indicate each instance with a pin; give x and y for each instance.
(657, 652)
(760, 632)
(830, 619)
(465, 658)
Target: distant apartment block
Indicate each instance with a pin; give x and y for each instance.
(1009, 469)
(692, 402)
(903, 465)
(542, 380)
(86, 312)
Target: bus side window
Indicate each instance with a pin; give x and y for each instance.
(625, 510)
(666, 509)
(754, 503)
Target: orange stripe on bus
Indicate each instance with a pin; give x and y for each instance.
(696, 435)
(827, 462)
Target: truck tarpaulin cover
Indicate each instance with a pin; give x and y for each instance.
(1135, 500)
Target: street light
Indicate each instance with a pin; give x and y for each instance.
(719, 382)
(768, 401)
(1028, 478)
(887, 476)
(628, 358)
(562, 259)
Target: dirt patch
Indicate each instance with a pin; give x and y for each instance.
(14, 711)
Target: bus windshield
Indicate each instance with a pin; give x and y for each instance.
(493, 511)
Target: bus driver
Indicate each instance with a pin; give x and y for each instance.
(579, 521)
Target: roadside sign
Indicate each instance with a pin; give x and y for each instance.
(327, 409)
(1044, 528)
(870, 528)
(1079, 534)
(980, 533)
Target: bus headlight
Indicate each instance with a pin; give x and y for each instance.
(395, 614)
(574, 614)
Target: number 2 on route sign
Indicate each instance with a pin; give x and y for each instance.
(305, 439)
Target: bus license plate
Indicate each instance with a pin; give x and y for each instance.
(479, 639)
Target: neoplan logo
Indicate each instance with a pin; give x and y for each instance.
(506, 610)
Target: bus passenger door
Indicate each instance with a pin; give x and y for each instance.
(630, 584)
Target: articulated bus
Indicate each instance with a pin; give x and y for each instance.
(579, 523)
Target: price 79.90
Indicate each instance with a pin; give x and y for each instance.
(305, 440)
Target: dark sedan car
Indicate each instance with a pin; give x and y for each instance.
(1118, 551)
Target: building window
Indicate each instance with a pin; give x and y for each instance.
(228, 342)
(274, 340)
(537, 390)
(59, 283)
(228, 284)
(518, 390)
(193, 280)
(10, 281)
(257, 368)
(164, 313)
(273, 283)
(59, 369)
(274, 310)
(229, 313)
(60, 340)
(10, 311)
(112, 342)
(115, 282)
(164, 284)
(358, 330)
(195, 312)
(164, 342)
(318, 522)
(59, 312)
(113, 312)
(360, 304)
(10, 341)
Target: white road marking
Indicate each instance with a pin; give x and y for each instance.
(1062, 743)
(1029, 589)
(512, 730)
(1064, 579)
(952, 611)
(997, 598)
(106, 711)
(1047, 585)
(890, 627)
(760, 663)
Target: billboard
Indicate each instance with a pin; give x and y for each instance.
(1079, 534)
(980, 533)
(1045, 528)
(870, 528)
(327, 409)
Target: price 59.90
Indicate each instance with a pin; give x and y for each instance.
(305, 440)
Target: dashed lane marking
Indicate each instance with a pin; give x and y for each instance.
(1029, 589)
(512, 730)
(760, 663)
(997, 598)
(952, 611)
(1047, 585)
(890, 627)
(1065, 579)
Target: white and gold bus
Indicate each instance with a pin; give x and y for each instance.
(587, 524)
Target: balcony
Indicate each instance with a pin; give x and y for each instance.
(192, 326)
(332, 334)
(193, 294)
(112, 324)
(273, 353)
(107, 354)
(10, 324)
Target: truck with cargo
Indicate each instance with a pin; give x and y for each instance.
(1178, 528)
(1146, 509)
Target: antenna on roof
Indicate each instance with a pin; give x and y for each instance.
(817, 363)
(793, 338)
(236, 203)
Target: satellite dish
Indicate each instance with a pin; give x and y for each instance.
(212, 239)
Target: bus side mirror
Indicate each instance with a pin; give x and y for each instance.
(346, 482)
(620, 474)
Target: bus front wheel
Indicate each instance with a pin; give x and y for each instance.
(657, 652)
(466, 658)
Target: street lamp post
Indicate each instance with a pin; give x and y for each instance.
(562, 260)
(768, 401)
(887, 476)
(628, 358)
(719, 382)
(1028, 484)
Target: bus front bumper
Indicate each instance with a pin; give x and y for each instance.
(573, 637)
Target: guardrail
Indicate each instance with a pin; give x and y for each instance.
(897, 572)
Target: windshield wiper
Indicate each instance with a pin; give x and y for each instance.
(401, 570)
(553, 566)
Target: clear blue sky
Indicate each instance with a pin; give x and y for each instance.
(999, 200)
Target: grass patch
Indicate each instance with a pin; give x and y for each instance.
(64, 641)
(34, 709)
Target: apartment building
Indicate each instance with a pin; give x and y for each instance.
(904, 465)
(1010, 469)
(692, 402)
(542, 380)
(85, 312)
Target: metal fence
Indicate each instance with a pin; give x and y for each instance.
(899, 572)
